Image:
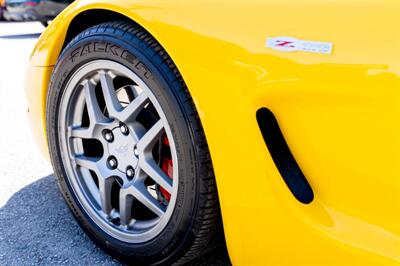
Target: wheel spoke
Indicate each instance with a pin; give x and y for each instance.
(125, 207)
(105, 186)
(150, 138)
(81, 132)
(95, 114)
(137, 129)
(110, 95)
(150, 167)
(133, 109)
(146, 160)
(90, 183)
(141, 194)
(87, 162)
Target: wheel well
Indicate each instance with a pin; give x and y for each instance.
(91, 18)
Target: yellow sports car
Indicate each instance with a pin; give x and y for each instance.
(270, 126)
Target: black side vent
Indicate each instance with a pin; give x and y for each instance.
(283, 158)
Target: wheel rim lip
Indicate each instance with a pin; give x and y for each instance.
(72, 172)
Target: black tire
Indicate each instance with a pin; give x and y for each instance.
(195, 226)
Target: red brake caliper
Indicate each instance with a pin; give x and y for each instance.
(166, 165)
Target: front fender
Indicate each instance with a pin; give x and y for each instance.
(323, 103)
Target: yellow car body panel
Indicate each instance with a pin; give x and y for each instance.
(339, 113)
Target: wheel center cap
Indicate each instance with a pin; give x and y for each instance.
(123, 148)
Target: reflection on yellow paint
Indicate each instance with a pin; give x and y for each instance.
(339, 113)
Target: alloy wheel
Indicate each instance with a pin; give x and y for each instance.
(118, 151)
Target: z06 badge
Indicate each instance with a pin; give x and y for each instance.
(290, 44)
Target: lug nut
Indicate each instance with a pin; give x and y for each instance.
(136, 152)
(112, 163)
(124, 129)
(130, 172)
(108, 135)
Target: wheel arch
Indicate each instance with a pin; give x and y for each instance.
(89, 18)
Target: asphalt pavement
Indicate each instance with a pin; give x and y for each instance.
(36, 227)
